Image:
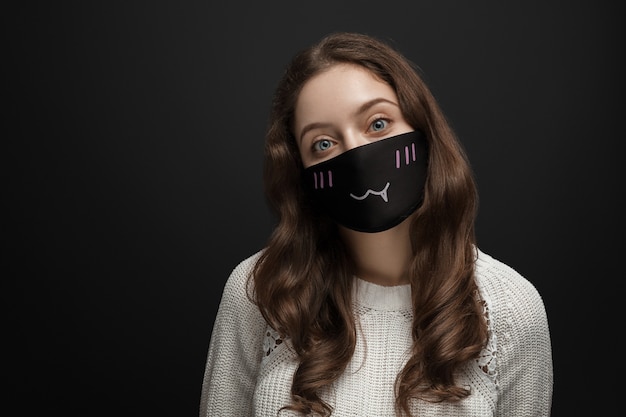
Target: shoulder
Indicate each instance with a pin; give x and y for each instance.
(502, 281)
(242, 272)
(236, 288)
(513, 301)
(238, 316)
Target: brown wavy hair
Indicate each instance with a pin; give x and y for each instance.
(303, 278)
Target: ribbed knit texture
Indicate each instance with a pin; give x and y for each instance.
(249, 369)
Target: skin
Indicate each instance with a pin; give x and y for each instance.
(339, 109)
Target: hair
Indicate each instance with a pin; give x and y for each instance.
(303, 278)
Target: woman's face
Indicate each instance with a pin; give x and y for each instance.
(342, 108)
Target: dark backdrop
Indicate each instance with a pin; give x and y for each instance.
(133, 160)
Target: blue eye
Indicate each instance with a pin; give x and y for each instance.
(379, 125)
(322, 145)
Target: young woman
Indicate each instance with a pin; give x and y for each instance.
(371, 297)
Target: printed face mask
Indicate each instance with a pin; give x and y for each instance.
(373, 187)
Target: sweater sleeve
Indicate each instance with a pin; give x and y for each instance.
(235, 350)
(524, 353)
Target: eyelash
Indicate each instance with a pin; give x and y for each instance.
(314, 145)
(378, 119)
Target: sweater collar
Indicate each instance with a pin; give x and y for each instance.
(379, 297)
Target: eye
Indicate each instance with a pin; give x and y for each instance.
(379, 124)
(322, 145)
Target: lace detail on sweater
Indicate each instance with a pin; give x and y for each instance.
(487, 357)
(363, 311)
(271, 341)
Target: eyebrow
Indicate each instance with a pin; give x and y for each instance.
(362, 109)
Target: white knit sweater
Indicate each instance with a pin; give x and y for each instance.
(249, 369)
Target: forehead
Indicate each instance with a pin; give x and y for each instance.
(337, 91)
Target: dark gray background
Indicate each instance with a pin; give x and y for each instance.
(133, 161)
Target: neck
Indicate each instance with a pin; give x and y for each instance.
(381, 258)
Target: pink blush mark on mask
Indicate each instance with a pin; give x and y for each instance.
(319, 183)
(408, 155)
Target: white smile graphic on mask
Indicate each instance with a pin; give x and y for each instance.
(382, 193)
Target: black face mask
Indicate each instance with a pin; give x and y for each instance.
(373, 187)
